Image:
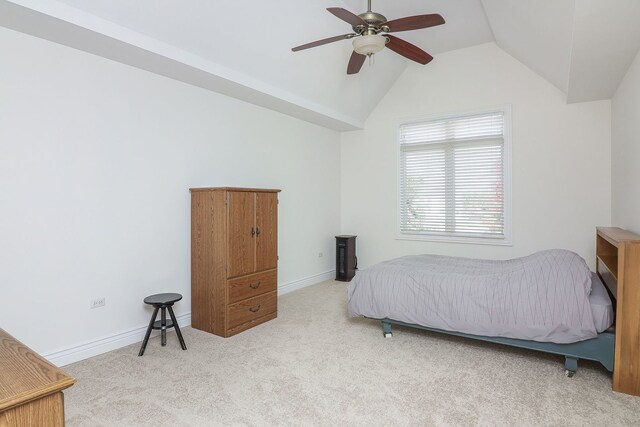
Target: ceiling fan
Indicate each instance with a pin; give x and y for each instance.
(368, 40)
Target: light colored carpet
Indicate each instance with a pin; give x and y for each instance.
(314, 365)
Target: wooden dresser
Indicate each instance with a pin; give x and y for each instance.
(234, 258)
(30, 387)
(618, 264)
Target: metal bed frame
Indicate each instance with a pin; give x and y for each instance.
(599, 349)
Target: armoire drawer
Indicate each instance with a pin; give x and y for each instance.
(251, 309)
(252, 285)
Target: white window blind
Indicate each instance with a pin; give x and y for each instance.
(452, 177)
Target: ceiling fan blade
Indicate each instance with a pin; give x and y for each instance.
(414, 22)
(347, 16)
(408, 50)
(323, 41)
(355, 62)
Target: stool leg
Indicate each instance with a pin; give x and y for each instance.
(146, 336)
(175, 325)
(163, 330)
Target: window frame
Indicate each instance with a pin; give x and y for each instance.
(507, 240)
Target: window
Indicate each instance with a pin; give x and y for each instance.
(454, 178)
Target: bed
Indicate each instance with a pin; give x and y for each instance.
(549, 301)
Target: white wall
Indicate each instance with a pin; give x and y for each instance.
(560, 164)
(96, 159)
(625, 151)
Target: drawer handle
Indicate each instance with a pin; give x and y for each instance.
(254, 285)
(254, 309)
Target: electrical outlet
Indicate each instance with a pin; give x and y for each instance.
(98, 302)
(320, 254)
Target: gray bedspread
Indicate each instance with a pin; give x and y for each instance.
(541, 297)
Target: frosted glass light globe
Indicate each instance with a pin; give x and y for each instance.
(368, 45)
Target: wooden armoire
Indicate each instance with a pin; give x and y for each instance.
(234, 258)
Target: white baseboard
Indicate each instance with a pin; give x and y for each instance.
(113, 342)
(106, 344)
(306, 281)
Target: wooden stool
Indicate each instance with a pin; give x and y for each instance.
(164, 302)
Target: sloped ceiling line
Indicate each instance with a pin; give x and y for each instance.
(583, 47)
(70, 27)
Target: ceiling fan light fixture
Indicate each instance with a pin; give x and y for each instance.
(367, 39)
(369, 44)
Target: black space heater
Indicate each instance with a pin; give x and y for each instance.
(346, 261)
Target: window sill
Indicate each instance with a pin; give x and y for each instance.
(507, 241)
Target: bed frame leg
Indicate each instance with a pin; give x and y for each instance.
(386, 329)
(570, 365)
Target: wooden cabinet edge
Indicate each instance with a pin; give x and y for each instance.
(250, 190)
(248, 325)
(32, 390)
(626, 256)
(30, 396)
(616, 235)
(240, 276)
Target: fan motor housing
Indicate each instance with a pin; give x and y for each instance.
(373, 21)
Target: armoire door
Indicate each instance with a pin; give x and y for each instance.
(267, 226)
(241, 233)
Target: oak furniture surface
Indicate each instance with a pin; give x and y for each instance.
(234, 258)
(30, 387)
(618, 264)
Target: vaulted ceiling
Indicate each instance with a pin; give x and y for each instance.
(243, 49)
